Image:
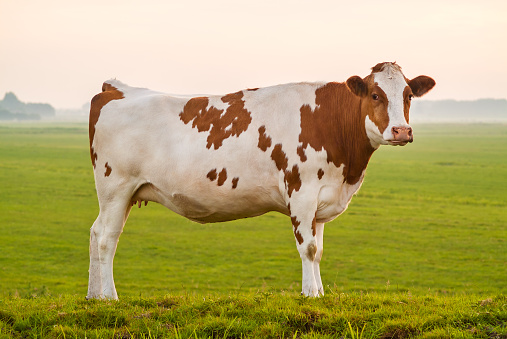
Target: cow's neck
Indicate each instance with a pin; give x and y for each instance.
(337, 126)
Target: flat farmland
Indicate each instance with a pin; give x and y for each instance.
(430, 217)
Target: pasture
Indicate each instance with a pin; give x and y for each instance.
(430, 216)
(430, 219)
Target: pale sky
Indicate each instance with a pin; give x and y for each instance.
(60, 51)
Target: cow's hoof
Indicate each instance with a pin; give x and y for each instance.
(311, 294)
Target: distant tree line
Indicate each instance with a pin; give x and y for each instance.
(482, 110)
(11, 108)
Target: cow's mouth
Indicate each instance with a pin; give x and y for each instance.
(399, 143)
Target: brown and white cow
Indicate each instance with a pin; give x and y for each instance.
(300, 149)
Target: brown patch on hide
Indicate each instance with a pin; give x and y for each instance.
(301, 153)
(221, 125)
(279, 157)
(235, 182)
(108, 170)
(212, 175)
(196, 109)
(222, 176)
(320, 173)
(314, 226)
(108, 94)
(295, 225)
(264, 139)
(336, 126)
(311, 250)
(292, 180)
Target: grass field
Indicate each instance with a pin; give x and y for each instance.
(352, 316)
(430, 220)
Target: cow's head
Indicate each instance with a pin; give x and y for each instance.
(385, 101)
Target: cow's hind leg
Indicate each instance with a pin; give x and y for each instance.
(94, 280)
(104, 236)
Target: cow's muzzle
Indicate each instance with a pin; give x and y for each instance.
(401, 135)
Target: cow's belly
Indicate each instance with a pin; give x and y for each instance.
(333, 200)
(212, 205)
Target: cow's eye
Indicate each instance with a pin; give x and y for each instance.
(410, 97)
(374, 96)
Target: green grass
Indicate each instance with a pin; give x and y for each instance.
(337, 315)
(430, 216)
(429, 223)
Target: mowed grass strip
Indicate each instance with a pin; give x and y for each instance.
(430, 217)
(260, 315)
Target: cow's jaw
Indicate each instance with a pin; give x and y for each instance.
(392, 81)
(373, 133)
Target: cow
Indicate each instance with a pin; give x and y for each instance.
(300, 149)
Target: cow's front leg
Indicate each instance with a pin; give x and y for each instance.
(304, 227)
(318, 256)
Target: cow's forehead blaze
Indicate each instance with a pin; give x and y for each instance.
(391, 80)
(389, 83)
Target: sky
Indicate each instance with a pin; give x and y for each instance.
(60, 51)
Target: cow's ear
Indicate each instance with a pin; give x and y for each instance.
(421, 85)
(357, 86)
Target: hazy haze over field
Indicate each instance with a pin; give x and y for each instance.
(60, 52)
